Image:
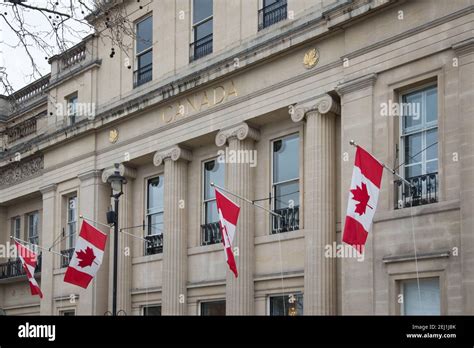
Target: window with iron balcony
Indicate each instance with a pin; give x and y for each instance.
(202, 29)
(143, 52)
(213, 172)
(154, 216)
(273, 11)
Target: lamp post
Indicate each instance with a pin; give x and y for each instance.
(116, 181)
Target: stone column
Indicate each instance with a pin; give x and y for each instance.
(465, 54)
(5, 232)
(239, 180)
(174, 291)
(47, 238)
(124, 268)
(94, 199)
(319, 203)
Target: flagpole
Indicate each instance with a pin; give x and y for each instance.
(96, 222)
(353, 143)
(36, 245)
(246, 200)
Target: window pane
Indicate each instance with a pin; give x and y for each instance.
(213, 308)
(413, 102)
(203, 30)
(431, 139)
(286, 305)
(423, 302)
(286, 159)
(211, 212)
(413, 147)
(287, 195)
(431, 105)
(431, 167)
(213, 172)
(269, 2)
(155, 223)
(145, 59)
(152, 310)
(155, 194)
(201, 10)
(144, 34)
(413, 170)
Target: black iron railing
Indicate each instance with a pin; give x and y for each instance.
(14, 268)
(154, 244)
(211, 233)
(424, 190)
(200, 48)
(289, 220)
(142, 75)
(272, 14)
(66, 257)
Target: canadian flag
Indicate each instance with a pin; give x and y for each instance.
(228, 216)
(365, 187)
(28, 260)
(87, 257)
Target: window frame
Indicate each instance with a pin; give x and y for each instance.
(137, 54)
(147, 214)
(149, 306)
(213, 300)
(401, 307)
(287, 294)
(423, 129)
(16, 226)
(28, 226)
(71, 238)
(203, 194)
(72, 114)
(197, 24)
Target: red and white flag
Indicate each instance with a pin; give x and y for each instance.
(28, 260)
(87, 257)
(365, 187)
(228, 216)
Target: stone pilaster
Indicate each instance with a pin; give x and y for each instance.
(174, 291)
(5, 236)
(465, 54)
(93, 202)
(124, 269)
(47, 238)
(239, 180)
(319, 203)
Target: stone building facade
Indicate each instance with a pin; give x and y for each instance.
(261, 97)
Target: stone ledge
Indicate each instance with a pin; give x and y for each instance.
(411, 257)
(418, 211)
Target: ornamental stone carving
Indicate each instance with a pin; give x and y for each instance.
(241, 131)
(174, 153)
(18, 171)
(323, 105)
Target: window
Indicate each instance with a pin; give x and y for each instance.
(419, 147)
(71, 109)
(152, 310)
(213, 308)
(68, 312)
(71, 221)
(143, 52)
(273, 11)
(283, 305)
(154, 215)
(202, 29)
(423, 302)
(33, 228)
(214, 171)
(16, 227)
(285, 184)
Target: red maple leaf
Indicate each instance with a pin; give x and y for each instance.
(361, 195)
(86, 257)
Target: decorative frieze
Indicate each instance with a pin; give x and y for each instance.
(21, 170)
(21, 130)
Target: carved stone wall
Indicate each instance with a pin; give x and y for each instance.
(18, 171)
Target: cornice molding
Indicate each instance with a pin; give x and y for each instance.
(464, 47)
(241, 131)
(48, 188)
(173, 153)
(94, 173)
(356, 84)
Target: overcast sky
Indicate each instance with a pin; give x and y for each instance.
(14, 59)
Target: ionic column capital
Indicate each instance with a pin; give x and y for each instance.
(173, 153)
(324, 104)
(241, 131)
(129, 173)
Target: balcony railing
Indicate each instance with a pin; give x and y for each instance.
(73, 56)
(14, 268)
(200, 48)
(288, 221)
(424, 190)
(272, 14)
(142, 75)
(66, 257)
(32, 91)
(154, 244)
(21, 130)
(211, 233)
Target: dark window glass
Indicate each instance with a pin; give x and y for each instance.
(201, 10)
(155, 205)
(144, 34)
(152, 310)
(213, 308)
(284, 305)
(213, 172)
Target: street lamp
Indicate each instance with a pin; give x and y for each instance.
(116, 181)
